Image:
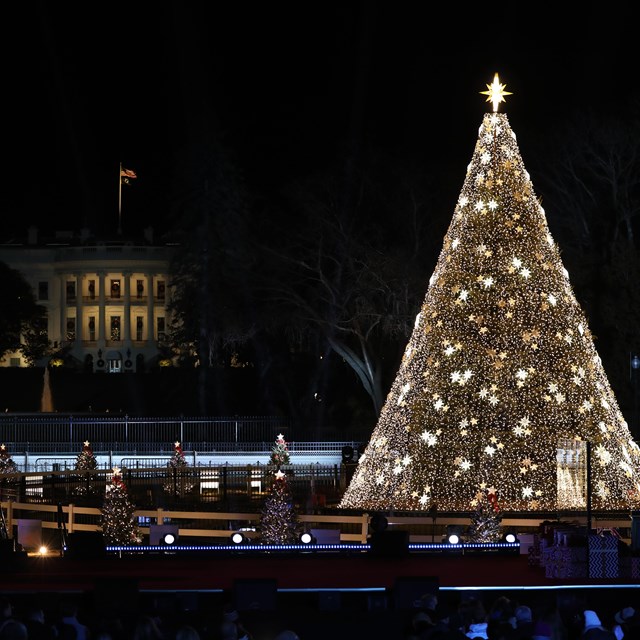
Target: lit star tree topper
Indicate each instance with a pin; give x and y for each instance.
(501, 367)
(496, 92)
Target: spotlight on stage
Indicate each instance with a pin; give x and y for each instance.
(169, 539)
(237, 538)
(454, 534)
(307, 538)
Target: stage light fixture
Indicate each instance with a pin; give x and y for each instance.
(348, 454)
(454, 534)
(42, 551)
(510, 537)
(169, 539)
(237, 538)
(307, 538)
(378, 522)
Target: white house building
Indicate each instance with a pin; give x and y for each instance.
(107, 302)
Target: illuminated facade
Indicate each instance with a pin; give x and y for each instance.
(106, 301)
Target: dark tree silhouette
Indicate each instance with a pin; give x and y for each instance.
(22, 320)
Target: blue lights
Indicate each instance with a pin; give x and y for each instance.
(246, 546)
(235, 547)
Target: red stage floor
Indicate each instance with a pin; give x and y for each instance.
(320, 570)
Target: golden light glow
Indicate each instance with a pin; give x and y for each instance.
(493, 383)
(496, 92)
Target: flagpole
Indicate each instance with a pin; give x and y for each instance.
(120, 201)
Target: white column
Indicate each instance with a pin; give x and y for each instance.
(126, 321)
(63, 309)
(101, 310)
(79, 305)
(150, 325)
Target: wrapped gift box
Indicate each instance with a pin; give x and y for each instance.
(604, 559)
(635, 567)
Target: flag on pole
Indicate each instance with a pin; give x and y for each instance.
(126, 175)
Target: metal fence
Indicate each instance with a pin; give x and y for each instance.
(62, 433)
(225, 487)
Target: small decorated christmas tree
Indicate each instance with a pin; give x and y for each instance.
(177, 459)
(86, 460)
(118, 521)
(279, 522)
(279, 452)
(7, 464)
(486, 521)
(177, 482)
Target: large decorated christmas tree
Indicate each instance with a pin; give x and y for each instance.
(501, 370)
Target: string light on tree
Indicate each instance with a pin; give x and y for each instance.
(501, 365)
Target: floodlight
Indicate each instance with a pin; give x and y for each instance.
(454, 534)
(237, 538)
(169, 539)
(307, 538)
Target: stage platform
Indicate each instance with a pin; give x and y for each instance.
(300, 570)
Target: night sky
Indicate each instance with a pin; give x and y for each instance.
(286, 85)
